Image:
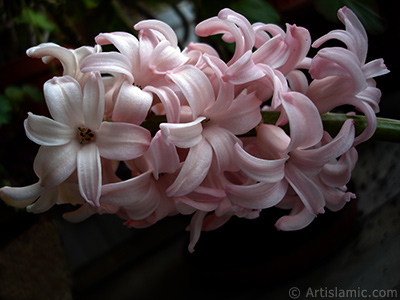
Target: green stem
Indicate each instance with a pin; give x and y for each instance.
(387, 129)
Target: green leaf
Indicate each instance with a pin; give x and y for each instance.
(37, 19)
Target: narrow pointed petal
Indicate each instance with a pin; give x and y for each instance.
(89, 173)
(195, 229)
(93, 101)
(122, 141)
(194, 170)
(54, 164)
(63, 97)
(47, 132)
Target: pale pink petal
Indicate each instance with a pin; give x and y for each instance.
(54, 164)
(108, 62)
(132, 104)
(195, 229)
(47, 132)
(338, 62)
(243, 70)
(126, 43)
(244, 25)
(307, 190)
(89, 173)
(195, 86)
(139, 195)
(194, 169)
(51, 50)
(169, 100)
(212, 221)
(302, 114)
(222, 142)
(242, 115)
(317, 157)
(93, 101)
(165, 58)
(187, 205)
(374, 68)
(183, 135)
(122, 141)
(225, 93)
(21, 196)
(257, 196)
(337, 198)
(161, 27)
(64, 100)
(339, 173)
(298, 40)
(298, 218)
(272, 141)
(216, 25)
(164, 155)
(298, 81)
(259, 169)
(272, 53)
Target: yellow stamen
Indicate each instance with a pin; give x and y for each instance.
(85, 135)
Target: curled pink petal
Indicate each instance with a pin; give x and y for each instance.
(161, 27)
(257, 196)
(194, 170)
(195, 86)
(298, 218)
(183, 135)
(110, 62)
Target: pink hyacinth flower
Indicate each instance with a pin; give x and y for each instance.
(77, 137)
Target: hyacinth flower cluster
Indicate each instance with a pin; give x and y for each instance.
(199, 161)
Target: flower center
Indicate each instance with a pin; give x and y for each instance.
(85, 135)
